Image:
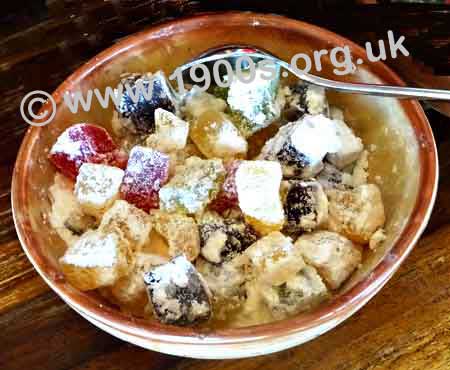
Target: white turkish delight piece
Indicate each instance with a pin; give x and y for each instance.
(300, 293)
(95, 260)
(97, 187)
(350, 147)
(171, 132)
(334, 256)
(301, 146)
(274, 259)
(356, 213)
(134, 224)
(305, 206)
(180, 232)
(258, 190)
(178, 293)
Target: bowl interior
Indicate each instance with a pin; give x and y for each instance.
(402, 156)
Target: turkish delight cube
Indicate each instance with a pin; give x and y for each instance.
(334, 256)
(196, 102)
(274, 259)
(147, 171)
(309, 99)
(217, 137)
(97, 187)
(133, 223)
(95, 260)
(84, 143)
(178, 293)
(301, 146)
(331, 177)
(180, 232)
(141, 95)
(302, 292)
(356, 213)
(350, 147)
(221, 239)
(305, 206)
(227, 197)
(193, 186)
(130, 289)
(171, 132)
(225, 280)
(253, 104)
(258, 189)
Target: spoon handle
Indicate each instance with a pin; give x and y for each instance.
(346, 87)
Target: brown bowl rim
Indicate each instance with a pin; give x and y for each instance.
(342, 306)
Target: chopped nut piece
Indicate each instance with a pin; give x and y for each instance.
(178, 293)
(258, 189)
(274, 259)
(300, 293)
(180, 231)
(334, 256)
(95, 260)
(377, 238)
(193, 186)
(305, 206)
(97, 187)
(356, 213)
(134, 224)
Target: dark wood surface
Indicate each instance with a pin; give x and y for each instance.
(406, 326)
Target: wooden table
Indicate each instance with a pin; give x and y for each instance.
(406, 326)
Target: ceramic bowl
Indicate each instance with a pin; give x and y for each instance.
(403, 162)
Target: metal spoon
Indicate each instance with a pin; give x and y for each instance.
(256, 54)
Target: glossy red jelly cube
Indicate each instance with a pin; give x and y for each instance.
(147, 170)
(84, 143)
(227, 197)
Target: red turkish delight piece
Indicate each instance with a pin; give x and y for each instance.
(84, 143)
(146, 172)
(227, 197)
